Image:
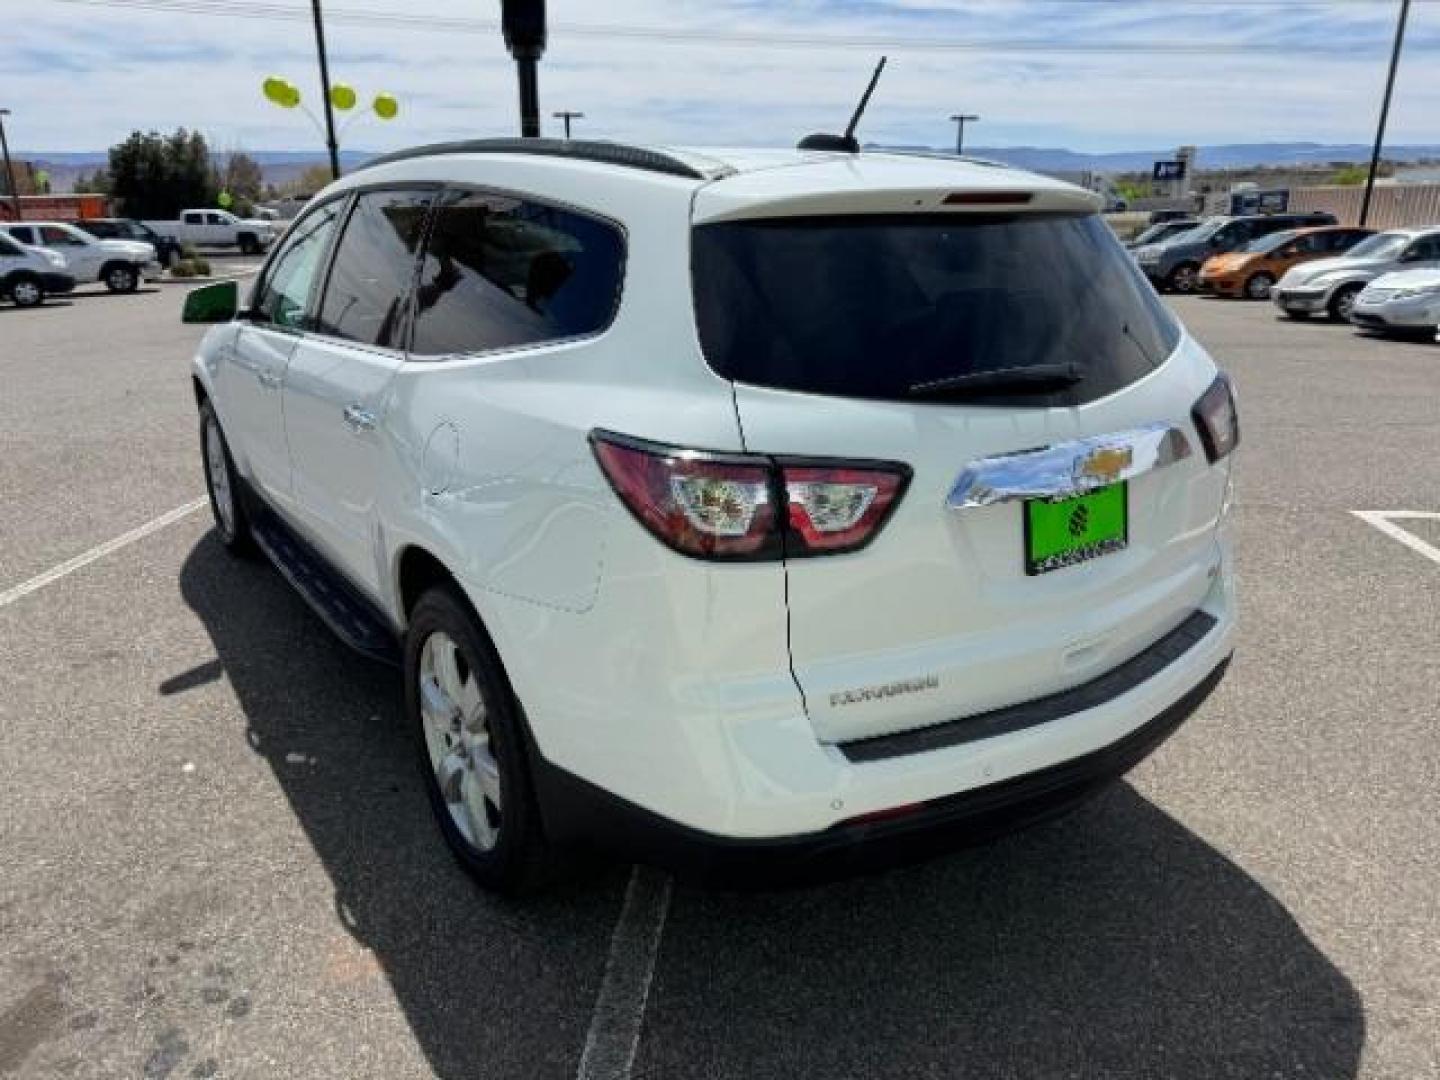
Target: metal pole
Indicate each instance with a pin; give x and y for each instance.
(330, 142)
(525, 67)
(1384, 112)
(9, 168)
(960, 119)
(567, 115)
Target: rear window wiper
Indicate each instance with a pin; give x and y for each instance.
(1036, 377)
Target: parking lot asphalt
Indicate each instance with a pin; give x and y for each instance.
(216, 859)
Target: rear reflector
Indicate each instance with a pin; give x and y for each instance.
(988, 198)
(727, 506)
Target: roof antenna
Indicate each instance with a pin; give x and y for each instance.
(845, 143)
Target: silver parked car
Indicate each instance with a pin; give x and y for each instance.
(1331, 285)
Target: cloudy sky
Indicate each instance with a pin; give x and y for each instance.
(1086, 74)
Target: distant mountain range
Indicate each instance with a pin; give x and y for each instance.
(282, 165)
(1227, 156)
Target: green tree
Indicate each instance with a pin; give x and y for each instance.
(156, 176)
(97, 183)
(1350, 176)
(242, 177)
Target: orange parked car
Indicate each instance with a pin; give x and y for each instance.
(1251, 271)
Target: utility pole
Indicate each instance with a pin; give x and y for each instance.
(1384, 111)
(330, 142)
(9, 168)
(567, 116)
(523, 24)
(959, 119)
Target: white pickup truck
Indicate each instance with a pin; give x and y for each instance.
(219, 228)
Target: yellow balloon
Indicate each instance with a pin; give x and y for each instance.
(281, 92)
(386, 107)
(342, 96)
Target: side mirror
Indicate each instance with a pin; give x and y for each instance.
(215, 303)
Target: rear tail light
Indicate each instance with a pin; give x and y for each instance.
(1217, 419)
(749, 506)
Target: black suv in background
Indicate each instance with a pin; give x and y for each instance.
(1174, 264)
(167, 249)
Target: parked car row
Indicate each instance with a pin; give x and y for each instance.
(47, 257)
(1387, 282)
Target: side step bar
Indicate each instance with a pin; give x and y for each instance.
(351, 617)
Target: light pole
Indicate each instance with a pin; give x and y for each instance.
(523, 24)
(9, 168)
(567, 116)
(959, 120)
(330, 142)
(1384, 111)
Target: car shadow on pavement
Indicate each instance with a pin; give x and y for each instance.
(1112, 943)
(489, 988)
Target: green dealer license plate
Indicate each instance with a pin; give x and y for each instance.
(1064, 532)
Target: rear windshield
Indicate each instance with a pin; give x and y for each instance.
(875, 307)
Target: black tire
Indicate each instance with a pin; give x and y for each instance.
(25, 290)
(120, 278)
(1258, 286)
(1342, 301)
(232, 529)
(249, 245)
(520, 860)
(1184, 279)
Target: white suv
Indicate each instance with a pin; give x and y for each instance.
(120, 265)
(732, 507)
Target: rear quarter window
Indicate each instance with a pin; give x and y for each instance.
(872, 307)
(504, 272)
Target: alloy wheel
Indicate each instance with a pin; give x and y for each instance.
(457, 735)
(26, 294)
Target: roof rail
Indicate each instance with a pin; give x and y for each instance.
(605, 153)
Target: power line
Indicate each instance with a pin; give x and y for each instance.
(764, 39)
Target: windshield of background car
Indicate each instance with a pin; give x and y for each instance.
(1387, 245)
(873, 306)
(1203, 231)
(1267, 244)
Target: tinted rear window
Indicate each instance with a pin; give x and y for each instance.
(869, 307)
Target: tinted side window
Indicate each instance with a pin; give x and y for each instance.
(1426, 249)
(501, 272)
(53, 237)
(374, 266)
(1344, 241)
(23, 233)
(282, 296)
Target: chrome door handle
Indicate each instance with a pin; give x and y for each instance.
(268, 379)
(1069, 468)
(359, 418)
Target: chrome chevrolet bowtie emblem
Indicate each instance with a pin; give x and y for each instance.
(1104, 465)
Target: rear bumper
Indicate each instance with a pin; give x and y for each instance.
(577, 812)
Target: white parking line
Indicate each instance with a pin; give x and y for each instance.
(1384, 520)
(39, 581)
(619, 1014)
